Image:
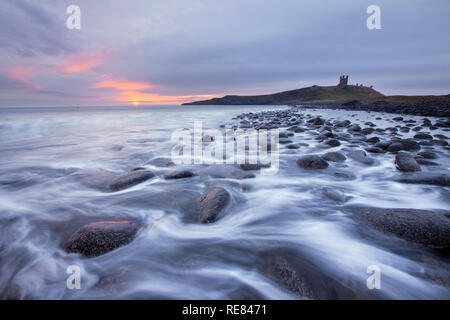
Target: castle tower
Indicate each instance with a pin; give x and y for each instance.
(343, 81)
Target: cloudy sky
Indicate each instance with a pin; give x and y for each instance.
(173, 51)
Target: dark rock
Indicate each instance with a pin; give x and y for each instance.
(373, 140)
(374, 150)
(367, 130)
(398, 119)
(333, 143)
(409, 145)
(405, 162)
(161, 162)
(395, 147)
(293, 146)
(253, 166)
(98, 238)
(334, 157)
(423, 136)
(239, 175)
(438, 179)
(212, 203)
(420, 226)
(178, 174)
(428, 155)
(130, 179)
(312, 162)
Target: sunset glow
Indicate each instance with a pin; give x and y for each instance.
(22, 74)
(81, 62)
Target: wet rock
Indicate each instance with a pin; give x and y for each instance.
(178, 174)
(395, 147)
(373, 140)
(383, 145)
(428, 155)
(130, 179)
(334, 194)
(299, 276)
(212, 203)
(367, 130)
(440, 137)
(374, 150)
(355, 127)
(441, 143)
(422, 161)
(361, 157)
(333, 143)
(161, 162)
(293, 146)
(342, 124)
(312, 162)
(284, 141)
(317, 121)
(334, 157)
(420, 226)
(101, 237)
(405, 162)
(239, 175)
(438, 179)
(409, 145)
(398, 119)
(423, 136)
(253, 166)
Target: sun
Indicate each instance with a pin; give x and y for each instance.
(136, 103)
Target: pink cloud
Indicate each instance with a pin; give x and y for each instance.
(82, 61)
(22, 74)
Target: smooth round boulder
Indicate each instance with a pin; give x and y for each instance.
(212, 203)
(395, 147)
(334, 157)
(101, 237)
(405, 162)
(130, 179)
(312, 162)
(420, 226)
(178, 174)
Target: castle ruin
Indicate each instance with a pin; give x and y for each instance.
(343, 81)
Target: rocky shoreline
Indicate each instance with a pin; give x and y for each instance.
(359, 146)
(432, 107)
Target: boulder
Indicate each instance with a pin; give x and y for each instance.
(423, 136)
(178, 174)
(333, 143)
(438, 179)
(420, 226)
(161, 162)
(405, 162)
(100, 237)
(253, 166)
(212, 203)
(130, 179)
(334, 157)
(239, 175)
(312, 162)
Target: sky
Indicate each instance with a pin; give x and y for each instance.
(175, 51)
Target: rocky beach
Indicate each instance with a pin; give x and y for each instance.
(354, 189)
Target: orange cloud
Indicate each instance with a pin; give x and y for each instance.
(81, 62)
(22, 74)
(131, 92)
(124, 85)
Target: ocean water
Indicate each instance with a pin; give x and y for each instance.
(48, 154)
